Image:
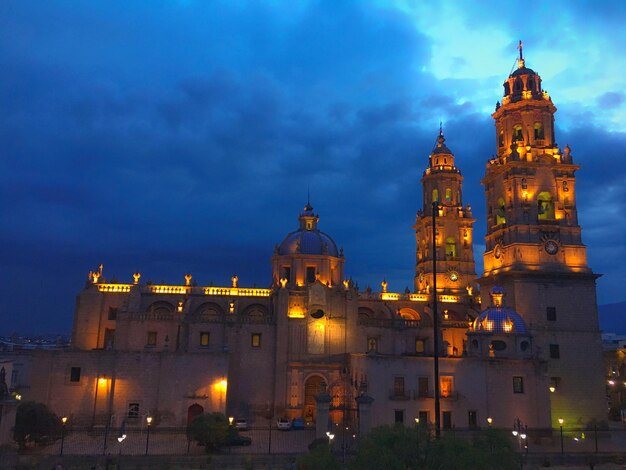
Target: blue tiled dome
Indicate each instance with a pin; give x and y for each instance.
(309, 242)
(500, 320)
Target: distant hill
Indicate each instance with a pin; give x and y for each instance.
(613, 318)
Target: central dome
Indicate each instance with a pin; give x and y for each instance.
(308, 239)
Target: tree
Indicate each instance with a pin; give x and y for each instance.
(319, 456)
(396, 447)
(388, 447)
(35, 423)
(211, 430)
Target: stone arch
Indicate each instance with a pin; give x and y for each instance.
(209, 309)
(365, 312)
(545, 206)
(409, 314)
(193, 411)
(255, 310)
(160, 306)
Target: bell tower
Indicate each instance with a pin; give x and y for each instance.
(442, 182)
(532, 221)
(533, 246)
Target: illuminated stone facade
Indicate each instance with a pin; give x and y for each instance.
(175, 351)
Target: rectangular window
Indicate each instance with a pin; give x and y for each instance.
(310, 274)
(555, 353)
(75, 374)
(446, 385)
(109, 338)
(112, 313)
(420, 346)
(423, 416)
(472, 419)
(398, 416)
(518, 384)
(133, 410)
(372, 344)
(255, 340)
(422, 387)
(551, 313)
(398, 386)
(152, 338)
(14, 376)
(447, 419)
(204, 339)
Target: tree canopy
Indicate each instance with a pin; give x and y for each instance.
(35, 423)
(210, 430)
(396, 447)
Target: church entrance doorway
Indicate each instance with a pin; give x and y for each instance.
(193, 411)
(312, 387)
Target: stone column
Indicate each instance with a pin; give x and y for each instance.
(321, 420)
(364, 403)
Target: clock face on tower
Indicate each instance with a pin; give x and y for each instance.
(453, 275)
(551, 247)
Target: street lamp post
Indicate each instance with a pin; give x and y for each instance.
(63, 423)
(231, 419)
(417, 429)
(561, 429)
(520, 431)
(149, 421)
(330, 439)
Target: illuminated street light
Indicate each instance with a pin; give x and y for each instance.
(330, 438)
(561, 428)
(63, 423)
(490, 421)
(149, 421)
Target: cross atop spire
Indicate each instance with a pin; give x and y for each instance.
(520, 62)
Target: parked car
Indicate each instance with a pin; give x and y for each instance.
(238, 440)
(241, 424)
(283, 424)
(297, 423)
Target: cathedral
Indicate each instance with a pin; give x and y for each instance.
(519, 342)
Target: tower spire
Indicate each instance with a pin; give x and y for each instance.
(520, 63)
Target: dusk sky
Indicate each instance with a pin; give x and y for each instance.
(183, 136)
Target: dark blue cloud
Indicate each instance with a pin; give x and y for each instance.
(184, 137)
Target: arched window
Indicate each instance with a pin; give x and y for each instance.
(545, 207)
(539, 131)
(507, 89)
(435, 195)
(500, 212)
(517, 133)
(517, 86)
(450, 247)
(531, 84)
(501, 139)
(448, 194)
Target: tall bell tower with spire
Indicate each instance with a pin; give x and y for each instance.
(442, 182)
(534, 247)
